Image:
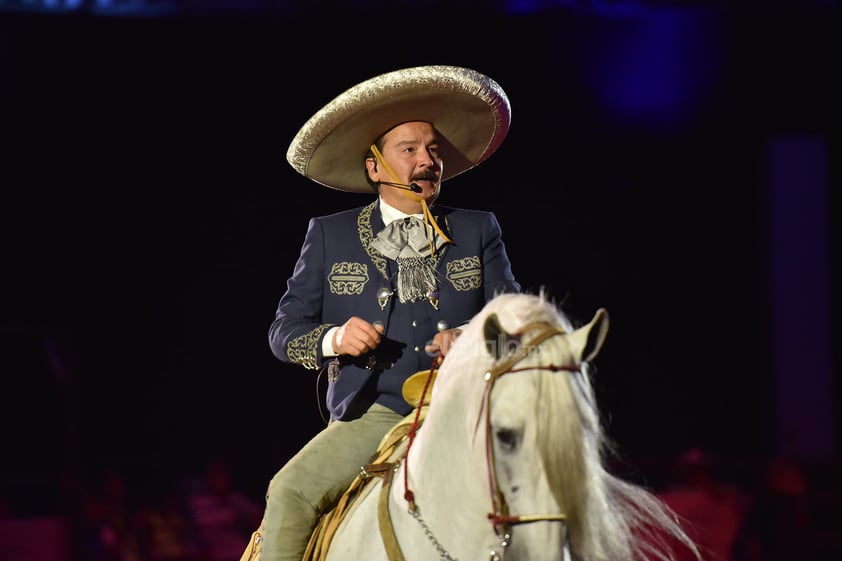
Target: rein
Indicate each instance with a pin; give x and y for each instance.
(408, 494)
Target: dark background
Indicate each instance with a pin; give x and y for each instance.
(150, 220)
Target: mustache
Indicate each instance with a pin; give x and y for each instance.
(428, 176)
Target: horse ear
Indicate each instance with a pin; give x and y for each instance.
(492, 331)
(597, 330)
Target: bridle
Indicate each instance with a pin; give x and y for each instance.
(501, 518)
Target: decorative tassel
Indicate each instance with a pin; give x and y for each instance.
(416, 278)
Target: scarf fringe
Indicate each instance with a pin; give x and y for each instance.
(416, 278)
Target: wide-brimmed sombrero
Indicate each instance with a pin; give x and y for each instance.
(470, 111)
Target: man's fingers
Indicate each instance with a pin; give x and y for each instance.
(443, 341)
(358, 337)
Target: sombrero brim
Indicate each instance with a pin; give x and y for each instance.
(470, 111)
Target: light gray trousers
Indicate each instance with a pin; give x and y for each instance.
(314, 479)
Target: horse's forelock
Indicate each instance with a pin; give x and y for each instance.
(516, 310)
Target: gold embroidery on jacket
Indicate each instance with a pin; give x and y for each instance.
(465, 274)
(366, 235)
(347, 278)
(304, 349)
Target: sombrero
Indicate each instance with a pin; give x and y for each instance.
(470, 111)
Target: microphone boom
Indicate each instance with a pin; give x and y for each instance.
(414, 187)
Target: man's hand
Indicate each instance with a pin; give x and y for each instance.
(442, 342)
(356, 337)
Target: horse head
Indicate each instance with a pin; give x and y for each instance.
(509, 459)
(534, 422)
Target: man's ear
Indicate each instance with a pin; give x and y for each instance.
(371, 167)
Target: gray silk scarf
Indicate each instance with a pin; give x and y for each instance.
(407, 242)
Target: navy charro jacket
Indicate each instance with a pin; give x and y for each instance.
(338, 275)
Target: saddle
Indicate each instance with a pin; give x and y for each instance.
(391, 449)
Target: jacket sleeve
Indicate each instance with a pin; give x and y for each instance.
(497, 270)
(296, 333)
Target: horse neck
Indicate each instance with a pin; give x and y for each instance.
(447, 467)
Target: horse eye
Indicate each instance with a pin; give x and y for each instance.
(508, 438)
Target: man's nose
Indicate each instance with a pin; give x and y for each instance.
(429, 161)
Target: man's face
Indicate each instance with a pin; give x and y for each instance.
(411, 151)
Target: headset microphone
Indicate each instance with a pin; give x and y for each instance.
(414, 187)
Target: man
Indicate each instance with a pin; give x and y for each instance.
(379, 292)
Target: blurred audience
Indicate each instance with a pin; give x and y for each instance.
(777, 527)
(223, 516)
(164, 528)
(106, 532)
(711, 505)
(156, 516)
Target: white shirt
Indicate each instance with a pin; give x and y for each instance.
(390, 213)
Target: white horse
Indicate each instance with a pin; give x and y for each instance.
(509, 460)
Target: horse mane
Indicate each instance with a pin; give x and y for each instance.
(608, 518)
